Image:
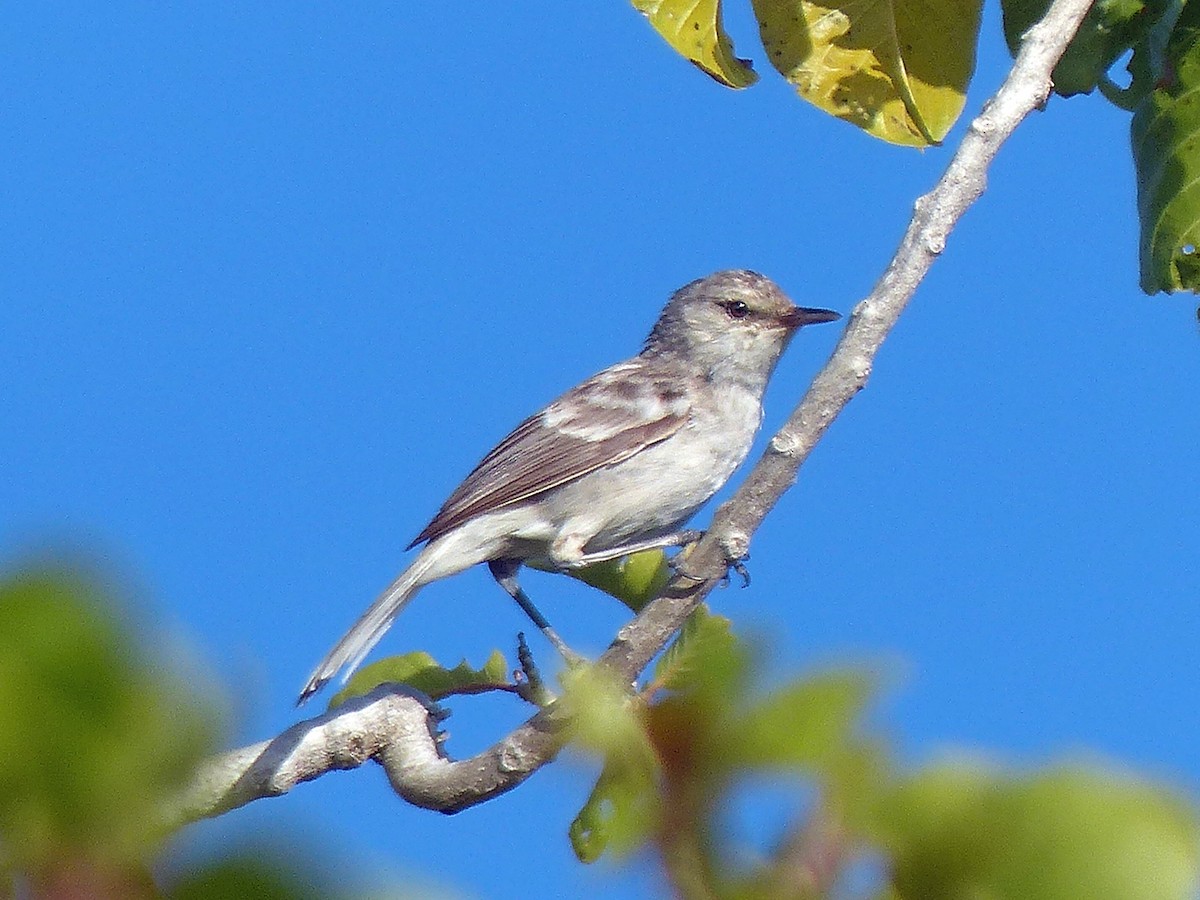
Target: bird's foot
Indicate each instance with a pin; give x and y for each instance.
(736, 547)
(736, 554)
(737, 565)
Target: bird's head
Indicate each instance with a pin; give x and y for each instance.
(734, 323)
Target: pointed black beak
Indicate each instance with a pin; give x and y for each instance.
(804, 315)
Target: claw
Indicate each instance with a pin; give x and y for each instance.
(739, 566)
(675, 564)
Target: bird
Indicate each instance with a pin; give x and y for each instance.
(614, 466)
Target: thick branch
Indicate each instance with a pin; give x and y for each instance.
(395, 728)
(391, 724)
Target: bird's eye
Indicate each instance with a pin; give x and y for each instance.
(737, 309)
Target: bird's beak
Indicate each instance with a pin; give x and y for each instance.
(804, 315)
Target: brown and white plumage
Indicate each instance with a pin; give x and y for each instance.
(601, 422)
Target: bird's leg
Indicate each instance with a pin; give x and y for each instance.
(505, 573)
(674, 539)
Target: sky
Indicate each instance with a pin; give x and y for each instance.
(275, 276)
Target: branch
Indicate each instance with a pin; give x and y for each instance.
(396, 728)
(393, 725)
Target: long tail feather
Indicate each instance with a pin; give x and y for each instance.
(350, 651)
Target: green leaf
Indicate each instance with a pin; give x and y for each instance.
(808, 722)
(262, 874)
(898, 69)
(1149, 63)
(622, 810)
(963, 830)
(94, 736)
(604, 717)
(705, 648)
(602, 713)
(814, 727)
(1110, 28)
(421, 671)
(635, 580)
(694, 29)
(1166, 149)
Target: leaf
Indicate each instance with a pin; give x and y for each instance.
(704, 647)
(603, 717)
(814, 727)
(807, 722)
(1149, 63)
(622, 810)
(898, 69)
(635, 580)
(94, 736)
(261, 873)
(1110, 28)
(421, 671)
(694, 29)
(602, 714)
(1166, 150)
(964, 830)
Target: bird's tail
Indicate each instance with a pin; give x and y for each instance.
(371, 626)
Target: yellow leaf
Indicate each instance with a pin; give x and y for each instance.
(898, 69)
(694, 29)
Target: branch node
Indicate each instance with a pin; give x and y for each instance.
(983, 124)
(785, 443)
(860, 367)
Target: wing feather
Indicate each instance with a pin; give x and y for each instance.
(602, 422)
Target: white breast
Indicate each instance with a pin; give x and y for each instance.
(658, 489)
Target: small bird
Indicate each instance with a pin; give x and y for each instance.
(614, 466)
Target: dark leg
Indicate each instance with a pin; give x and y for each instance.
(505, 573)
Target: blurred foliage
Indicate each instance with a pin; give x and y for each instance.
(675, 754)
(92, 733)
(624, 808)
(258, 875)
(96, 737)
(965, 829)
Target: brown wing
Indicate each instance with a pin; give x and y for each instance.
(603, 421)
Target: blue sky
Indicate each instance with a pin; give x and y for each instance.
(274, 278)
